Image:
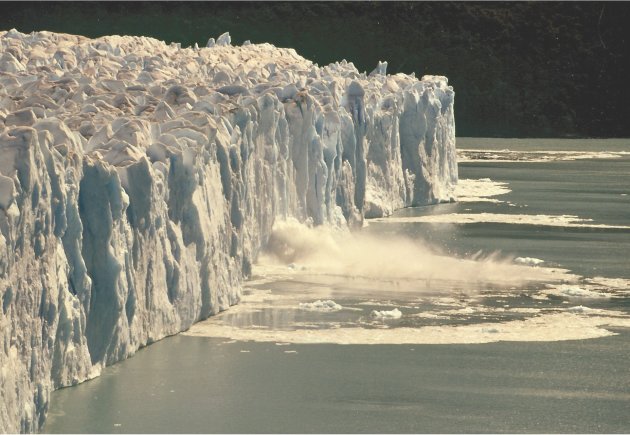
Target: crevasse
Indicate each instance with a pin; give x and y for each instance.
(139, 181)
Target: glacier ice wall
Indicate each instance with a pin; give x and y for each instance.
(139, 180)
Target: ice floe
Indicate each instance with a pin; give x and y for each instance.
(480, 190)
(518, 156)
(392, 314)
(566, 221)
(319, 305)
(544, 327)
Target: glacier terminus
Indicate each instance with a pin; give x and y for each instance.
(139, 180)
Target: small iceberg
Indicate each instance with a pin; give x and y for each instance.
(579, 309)
(393, 314)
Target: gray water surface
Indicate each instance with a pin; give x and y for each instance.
(198, 385)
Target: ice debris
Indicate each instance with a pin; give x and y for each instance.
(393, 314)
(319, 305)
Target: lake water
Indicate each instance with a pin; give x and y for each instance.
(508, 311)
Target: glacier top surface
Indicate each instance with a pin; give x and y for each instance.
(115, 90)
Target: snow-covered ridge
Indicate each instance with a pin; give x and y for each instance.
(139, 180)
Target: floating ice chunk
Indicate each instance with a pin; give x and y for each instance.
(393, 314)
(319, 305)
(579, 309)
(530, 261)
(576, 291)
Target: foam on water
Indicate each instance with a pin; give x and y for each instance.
(513, 156)
(566, 221)
(620, 284)
(544, 327)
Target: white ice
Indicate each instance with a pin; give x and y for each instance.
(539, 156)
(480, 190)
(392, 314)
(566, 221)
(530, 261)
(577, 291)
(397, 263)
(319, 305)
(542, 327)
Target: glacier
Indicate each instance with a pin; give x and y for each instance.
(139, 181)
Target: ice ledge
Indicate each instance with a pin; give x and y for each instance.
(139, 180)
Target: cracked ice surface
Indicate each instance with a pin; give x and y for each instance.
(139, 180)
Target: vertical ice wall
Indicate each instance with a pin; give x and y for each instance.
(139, 180)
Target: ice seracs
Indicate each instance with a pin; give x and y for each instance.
(139, 180)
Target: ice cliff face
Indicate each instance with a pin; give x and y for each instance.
(139, 180)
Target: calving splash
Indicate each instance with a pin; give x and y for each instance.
(441, 299)
(318, 285)
(389, 263)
